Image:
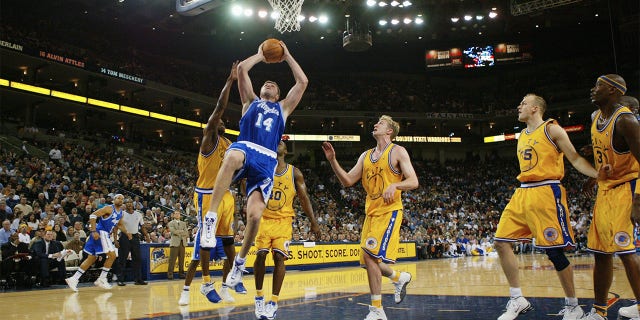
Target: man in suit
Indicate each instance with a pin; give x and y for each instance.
(179, 239)
(16, 257)
(50, 254)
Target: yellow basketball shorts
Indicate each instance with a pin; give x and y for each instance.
(226, 210)
(381, 236)
(537, 210)
(611, 230)
(275, 234)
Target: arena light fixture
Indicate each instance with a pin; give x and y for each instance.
(313, 19)
(419, 20)
(323, 19)
(467, 17)
(248, 12)
(162, 117)
(382, 22)
(455, 19)
(236, 10)
(395, 21)
(394, 3)
(301, 17)
(26, 87)
(275, 15)
(68, 96)
(479, 17)
(103, 104)
(406, 20)
(263, 14)
(382, 4)
(190, 123)
(140, 112)
(371, 3)
(493, 14)
(406, 3)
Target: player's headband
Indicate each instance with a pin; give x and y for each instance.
(618, 86)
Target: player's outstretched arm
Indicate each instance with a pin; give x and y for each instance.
(347, 179)
(244, 82)
(291, 101)
(561, 139)
(303, 196)
(211, 129)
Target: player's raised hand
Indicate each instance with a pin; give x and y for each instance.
(233, 75)
(286, 53)
(329, 152)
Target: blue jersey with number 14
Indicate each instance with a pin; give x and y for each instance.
(262, 124)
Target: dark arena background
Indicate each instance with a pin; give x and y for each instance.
(121, 91)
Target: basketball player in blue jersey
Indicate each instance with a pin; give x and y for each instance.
(212, 242)
(102, 222)
(254, 155)
(385, 171)
(615, 136)
(538, 208)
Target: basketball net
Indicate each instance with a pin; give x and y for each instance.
(288, 12)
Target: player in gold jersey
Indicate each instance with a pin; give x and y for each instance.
(385, 171)
(538, 209)
(275, 230)
(615, 136)
(212, 149)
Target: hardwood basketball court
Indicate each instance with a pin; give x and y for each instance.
(451, 288)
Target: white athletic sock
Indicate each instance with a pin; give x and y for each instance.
(571, 301)
(103, 274)
(515, 292)
(78, 274)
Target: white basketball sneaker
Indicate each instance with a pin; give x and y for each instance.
(259, 305)
(571, 312)
(184, 298)
(376, 314)
(593, 316)
(401, 286)
(72, 283)
(629, 312)
(225, 294)
(208, 236)
(235, 276)
(102, 283)
(515, 307)
(270, 310)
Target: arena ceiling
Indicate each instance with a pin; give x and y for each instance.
(154, 26)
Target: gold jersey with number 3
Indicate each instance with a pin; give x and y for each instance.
(624, 166)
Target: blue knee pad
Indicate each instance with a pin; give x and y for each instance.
(557, 257)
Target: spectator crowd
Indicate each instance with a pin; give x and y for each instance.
(454, 212)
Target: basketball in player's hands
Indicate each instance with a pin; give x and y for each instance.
(272, 50)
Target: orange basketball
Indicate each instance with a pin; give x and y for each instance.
(272, 50)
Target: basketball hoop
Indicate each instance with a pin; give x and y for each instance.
(288, 12)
